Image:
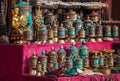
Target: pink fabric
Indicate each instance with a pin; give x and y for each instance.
(29, 49)
(13, 61)
(115, 77)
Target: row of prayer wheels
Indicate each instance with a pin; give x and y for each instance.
(71, 59)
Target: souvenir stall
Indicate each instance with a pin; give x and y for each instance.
(59, 40)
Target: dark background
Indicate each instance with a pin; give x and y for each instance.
(115, 9)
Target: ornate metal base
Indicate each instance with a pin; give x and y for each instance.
(50, 41)
(99, 39)
(92, 40)
(72, 40)
(61, 41)
(44, 41)
(55, 39)
(38, 74)
(115, 38)
(33, 72)
(37, 42)
(108, 39)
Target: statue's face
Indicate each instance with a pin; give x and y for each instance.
(16, 11)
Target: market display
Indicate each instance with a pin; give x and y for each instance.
(46, 26)
(53, 22)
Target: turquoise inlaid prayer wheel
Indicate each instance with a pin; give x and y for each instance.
(84, 51)
(43, 60)
(43, 34)
(107, 31)
(61, 32)
(78, 26)
(53, 56)
(61, 56)
(87, 24)
(81, 34)
(74, 50)
(101, 59)
(56, 66)
(92, 31)
(53, 59)
(99, 30)
(26, 8)
(95, 60)
(69, 63)
(71, 32)
(66, 24)
(21, 3)
(115, 31)
(28, 35)
(79, 63)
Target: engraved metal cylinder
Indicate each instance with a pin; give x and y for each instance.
(61, 32)
(101, 60)
(86, 63)
(69, 64)
(33, 61)
(99, 31)
(107, 31)
(115, 31)
(95, 61)
(81, 33)
(28, 34)
(71, 32)
(43, 34)
(111, 61)
(92, 31)
(61, 57)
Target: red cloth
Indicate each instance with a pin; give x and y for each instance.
(13, 60)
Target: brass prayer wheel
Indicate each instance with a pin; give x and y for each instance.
(49, 18)
(86, 63)
(61, 56)
(33, 60)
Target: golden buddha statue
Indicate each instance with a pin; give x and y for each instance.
(16, 21)
(16, 29)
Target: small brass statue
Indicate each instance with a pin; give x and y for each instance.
(50, 35)
(38, 19)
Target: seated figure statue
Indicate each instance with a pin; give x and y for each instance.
(16, 20)
(16, 35)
